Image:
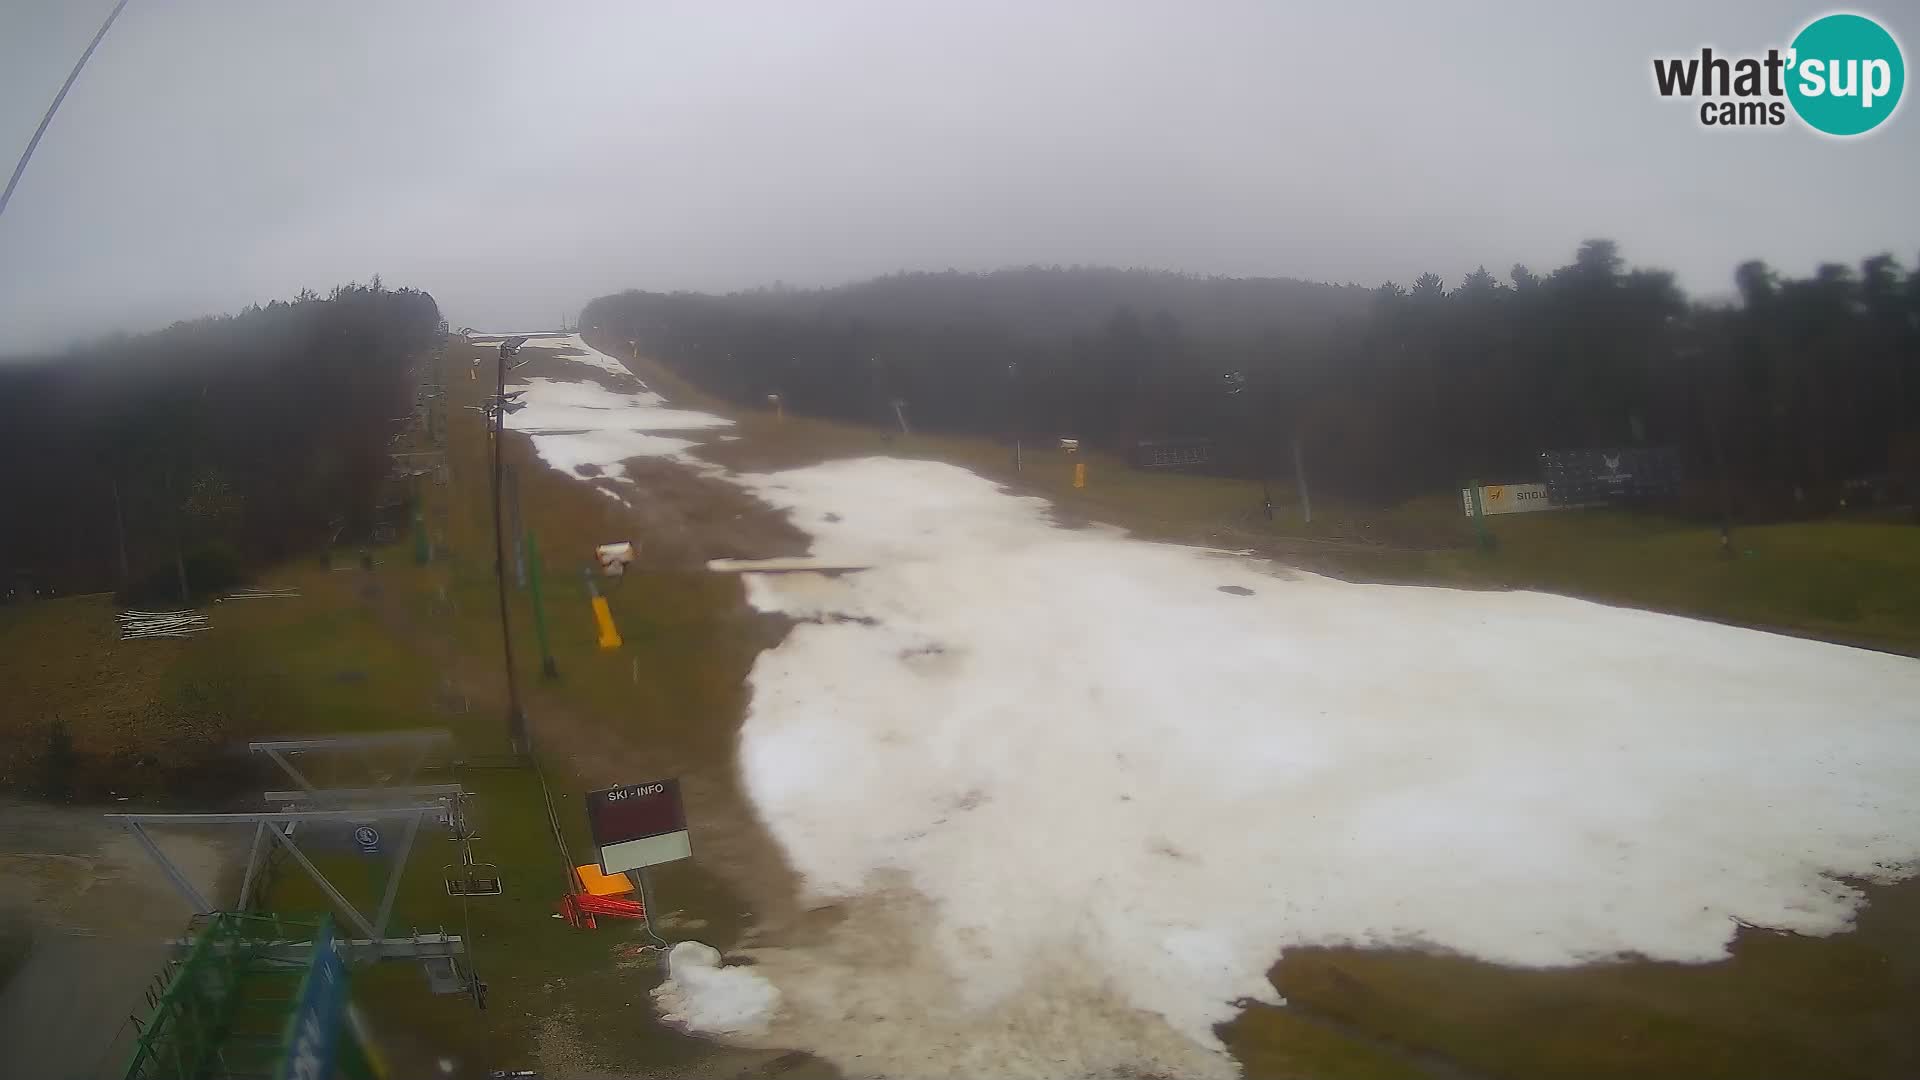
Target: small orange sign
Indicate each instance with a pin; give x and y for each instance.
(599, 884)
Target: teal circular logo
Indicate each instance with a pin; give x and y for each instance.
(1845, 74)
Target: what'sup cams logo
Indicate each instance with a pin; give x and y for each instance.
(1842, 75)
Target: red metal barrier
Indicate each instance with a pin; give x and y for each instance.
(579, 909)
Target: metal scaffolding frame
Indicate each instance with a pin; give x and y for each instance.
(448, 795)
(422, 741)
(277, 829)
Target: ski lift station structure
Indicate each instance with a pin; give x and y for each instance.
(222, 1008)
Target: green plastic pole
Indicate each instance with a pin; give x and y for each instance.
(1484, 537)
(548, 669)
(421, 553)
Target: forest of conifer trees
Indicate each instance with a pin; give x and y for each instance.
(210, 446)
(1801, 387)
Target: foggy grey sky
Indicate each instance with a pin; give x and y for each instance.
(518, 159)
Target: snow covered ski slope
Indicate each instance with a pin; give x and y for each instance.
(1073, 798)
(1076, 799)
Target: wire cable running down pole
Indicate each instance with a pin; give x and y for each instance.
(27, 155)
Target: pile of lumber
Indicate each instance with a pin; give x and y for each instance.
(148, 624)
(251, 593)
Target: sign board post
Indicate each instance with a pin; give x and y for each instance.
(1479, 511)
(638, 825)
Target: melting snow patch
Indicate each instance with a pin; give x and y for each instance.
(534, 337)
(551, 403)
(1071, 837)
(583, 353)
(555, 403)
(604, 450)
(576, 426)
(576, 348)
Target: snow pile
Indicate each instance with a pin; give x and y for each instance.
(703, 995)
(1075, 800)
(583, 424)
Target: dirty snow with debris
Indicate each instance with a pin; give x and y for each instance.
(1074, 799)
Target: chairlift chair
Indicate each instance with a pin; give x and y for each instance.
(444, 976)
(468, 877)
(472, 879)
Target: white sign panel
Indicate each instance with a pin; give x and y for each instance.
(1508, 498)
(651, 851)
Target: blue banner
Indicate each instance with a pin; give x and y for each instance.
(313, 1031)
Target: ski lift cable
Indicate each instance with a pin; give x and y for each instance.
(33, 143)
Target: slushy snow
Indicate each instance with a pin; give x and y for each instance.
(1074, 800)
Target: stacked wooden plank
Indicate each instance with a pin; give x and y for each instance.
(251, 593)
(150, 624)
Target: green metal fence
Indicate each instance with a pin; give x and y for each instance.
(221, 1011)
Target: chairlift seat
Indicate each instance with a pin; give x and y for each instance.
(443, 975)
(473, 879)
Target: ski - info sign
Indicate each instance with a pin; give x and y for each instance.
(638, 825)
